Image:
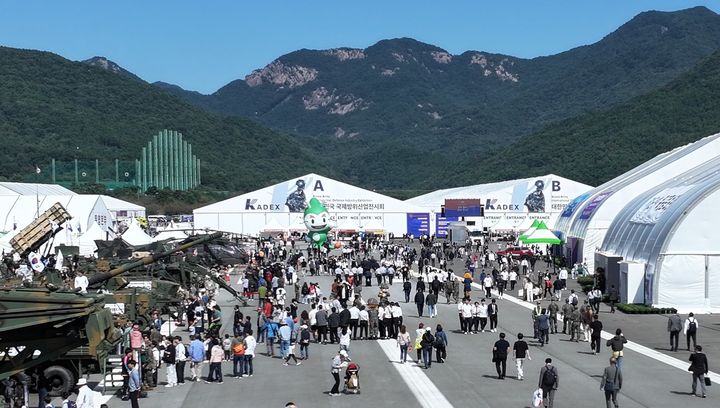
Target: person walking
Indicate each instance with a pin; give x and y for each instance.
(430, 301)
(612, 297)
(548, 382)
(617, 344)
(493, 315)
(674, 325)
(690, 329)
(216, 358)
(419, 302)
(338, 362)
(699, 368)
(250, 344)
(180, 358)
(441, 342)
(466, 313)
(403, 341)
(500, 351)
(407, 287)
(427, 343)
(543, 325)
(197, 355)
(134, 385)
(521, 351)
(553, 310)
(611, 383)
(169, 359)
(596, 326)
(567, 310)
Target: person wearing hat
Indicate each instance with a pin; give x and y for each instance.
(86, 397)
(339, 361)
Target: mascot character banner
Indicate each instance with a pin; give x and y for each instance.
(317, 221)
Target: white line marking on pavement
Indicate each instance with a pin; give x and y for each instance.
(639, 348)
(427, 394)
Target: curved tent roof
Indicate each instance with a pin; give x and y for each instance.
(672, 221)
(590, 215)
(10, 188)
(135, 235)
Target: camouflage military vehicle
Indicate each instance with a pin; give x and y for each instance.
(61, 331)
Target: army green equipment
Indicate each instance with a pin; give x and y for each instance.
(60, 330)
(33, 236)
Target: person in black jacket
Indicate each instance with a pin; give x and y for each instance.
(419, 302)
(500, 353)
(420, 285)
(407, 288)
(333, 324)
(698, 367)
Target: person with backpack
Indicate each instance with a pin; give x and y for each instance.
(441, 342)
(548, 382)
(617, 344)
(611, 383)
(304, 342)
(690, 329)
(238, 352)
(427, 342)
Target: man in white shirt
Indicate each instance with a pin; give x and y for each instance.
(354, 319)
(81, 282)
(466, 310)
(563, 275)
(86, 396)
(180, 358)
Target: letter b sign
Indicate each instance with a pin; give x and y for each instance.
(555, 185)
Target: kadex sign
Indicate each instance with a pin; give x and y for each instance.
(251, 204)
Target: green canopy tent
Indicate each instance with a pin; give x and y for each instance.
(541, 235)
(529, 230)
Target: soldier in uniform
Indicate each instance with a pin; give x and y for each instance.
(456, 290)
(296, 201)
(575, 320)
(373, 321)
(448, 286)
(535, 201)
(567, 310)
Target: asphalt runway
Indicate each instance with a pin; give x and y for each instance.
(466, 379)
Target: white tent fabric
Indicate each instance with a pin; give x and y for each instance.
(273, 225)
(372, 225)
(87, 240)
(504, 202)
(249, 213)
(669, 230)
(173, 235)
(592, 213)
(347, 224)
(14, 189)
(297, 224)
(135, 235)
(122, 209)
(20, 211)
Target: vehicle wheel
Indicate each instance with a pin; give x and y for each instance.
(60, 380)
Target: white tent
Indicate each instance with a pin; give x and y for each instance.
(251, 212)
(31, 189)
(507, 205)
(347, 224)
(121, 209)
(173, 235)
(662, 249)
(19, 211)
(88, 238)
(371, 226)
(584, 224)
(297, 224)
(273, 225)
(135, 235)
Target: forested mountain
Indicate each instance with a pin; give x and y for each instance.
(399, 115)
(395, 114)
(598, 146)
(51, 107)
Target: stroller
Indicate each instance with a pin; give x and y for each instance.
(352, 379)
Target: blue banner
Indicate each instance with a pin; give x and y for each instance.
(418, 224)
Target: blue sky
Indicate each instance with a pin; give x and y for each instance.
(202, 45)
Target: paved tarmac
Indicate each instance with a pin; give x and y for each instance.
(466, 379)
